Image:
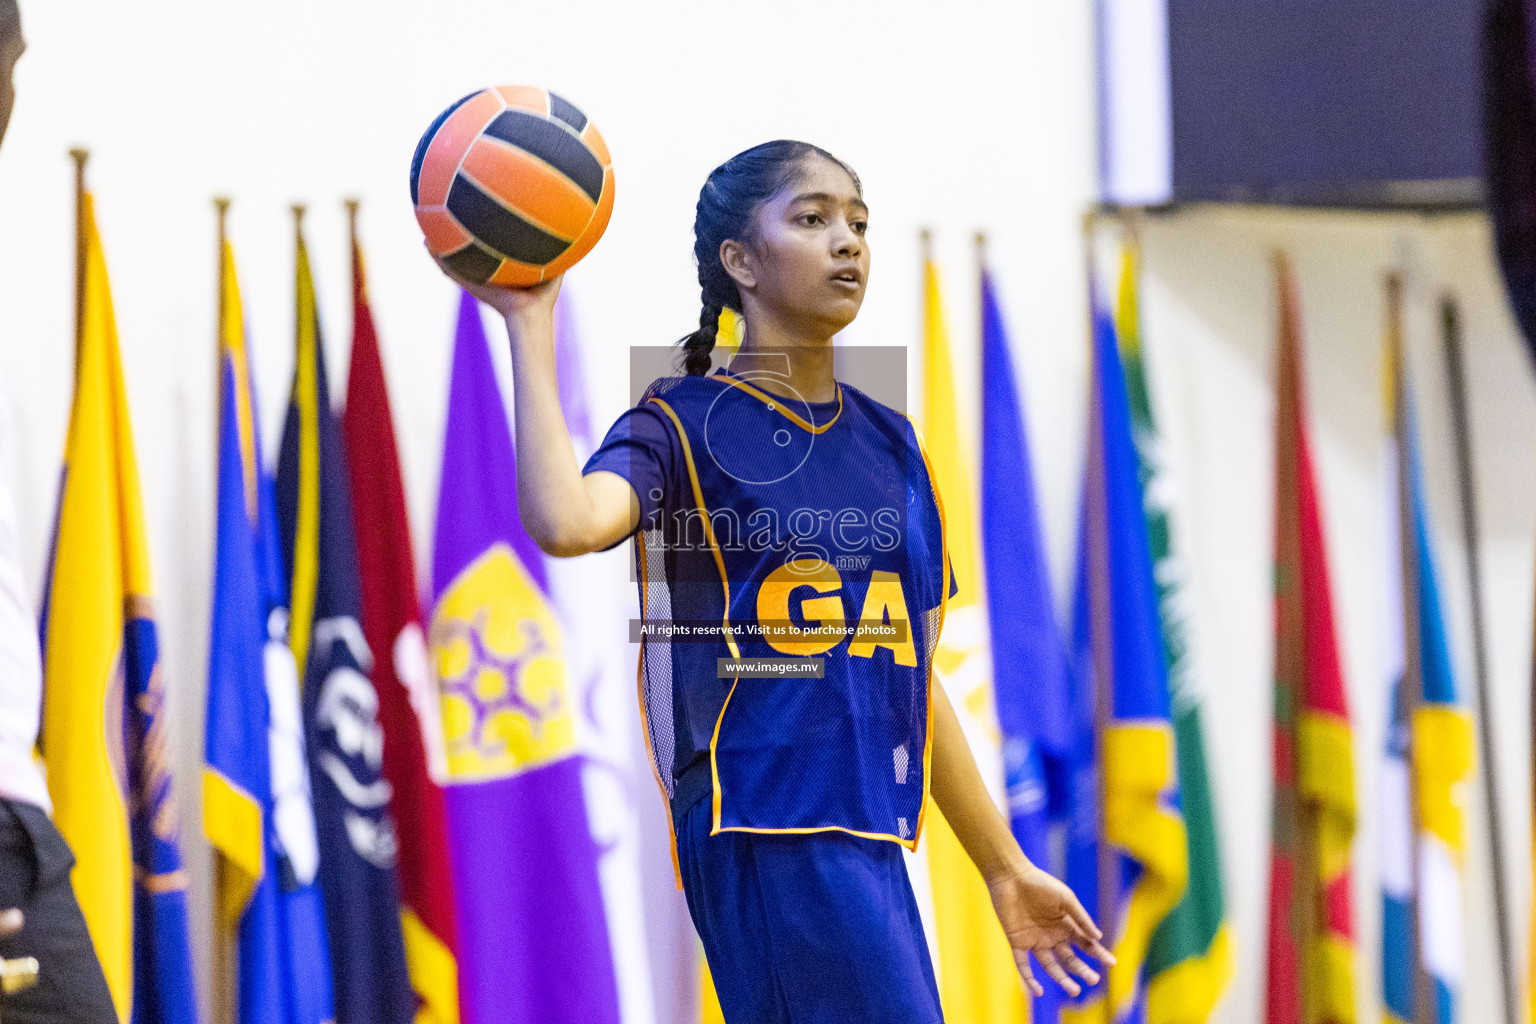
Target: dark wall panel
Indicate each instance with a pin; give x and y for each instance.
(1346, 101)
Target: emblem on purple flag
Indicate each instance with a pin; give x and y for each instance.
(527, 896)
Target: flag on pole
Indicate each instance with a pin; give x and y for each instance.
(1429, 748)
(257, 812)
(414, 761)
(1190, 960)
(639, 904)
(1311, 977)
(358, 844)
(533, 937)
(978, 980)
(103, 728)
(1029, 654)
(1127, 847)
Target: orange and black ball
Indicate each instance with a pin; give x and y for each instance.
(512, 185)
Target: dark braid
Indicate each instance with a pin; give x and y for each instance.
(728, 201)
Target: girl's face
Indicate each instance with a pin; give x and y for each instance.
(809, 260)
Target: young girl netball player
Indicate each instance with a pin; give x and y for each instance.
(785, 514)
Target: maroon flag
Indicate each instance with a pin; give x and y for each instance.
(1311, 931)
(414, 762)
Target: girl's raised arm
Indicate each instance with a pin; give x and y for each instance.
(564, 512)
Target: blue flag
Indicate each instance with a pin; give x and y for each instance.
(1430, 750)
(256, 799)
(1029, 656)
(1126, 818)
(358, 845)
(162, 976)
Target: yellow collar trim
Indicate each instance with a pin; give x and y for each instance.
(776, 403)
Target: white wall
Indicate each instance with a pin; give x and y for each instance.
(976, 117)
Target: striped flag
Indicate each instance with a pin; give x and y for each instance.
(257, 810)
(358, 844)
(414, 761)
(1429, 747)
(1127, 852)
(1190, 960)
(1311, 978)
(533, 935)
(978, 981)
(103, 728)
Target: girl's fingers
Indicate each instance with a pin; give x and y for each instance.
(1021, 961)
(1068, 956)
(1048, 960)
(1080, 935)
(1099, 953)
(1081, 919)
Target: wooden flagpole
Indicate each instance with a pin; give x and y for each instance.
(1294, 815)
(80, 156)
(224, 936)
(1461, 429)
(1411, 688)
(1100, 610)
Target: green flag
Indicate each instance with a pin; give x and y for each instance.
(1190, 960)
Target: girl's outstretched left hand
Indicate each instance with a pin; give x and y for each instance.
(1040, 915)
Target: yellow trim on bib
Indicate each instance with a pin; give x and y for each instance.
(776, 403)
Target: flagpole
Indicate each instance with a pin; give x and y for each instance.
(1306, 885)
(352, 203)
(223, 952)
(221, 205)
(1100, 613)
(1413, 660)
(80, 156)
(1461, 429)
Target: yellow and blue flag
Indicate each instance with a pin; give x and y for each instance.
(1126, 850)
(256, 797)
(358, 843)
(103, 732)
(1429, 744)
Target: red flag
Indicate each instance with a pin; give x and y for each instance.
(408, 709)
(1311, 933)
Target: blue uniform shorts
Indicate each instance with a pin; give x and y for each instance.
(806, 929)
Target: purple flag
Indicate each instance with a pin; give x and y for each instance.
(532, 929)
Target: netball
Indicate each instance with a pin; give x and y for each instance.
(512, 186)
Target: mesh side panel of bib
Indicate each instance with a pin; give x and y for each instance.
(656, 681)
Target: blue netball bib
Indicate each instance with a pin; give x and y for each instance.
(799, 588)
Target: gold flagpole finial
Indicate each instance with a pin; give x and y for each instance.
(925, 243)
(298, 214)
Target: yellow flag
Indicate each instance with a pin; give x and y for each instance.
(978, 982)
(100, 573)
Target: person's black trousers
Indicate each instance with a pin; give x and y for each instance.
(34, 876)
